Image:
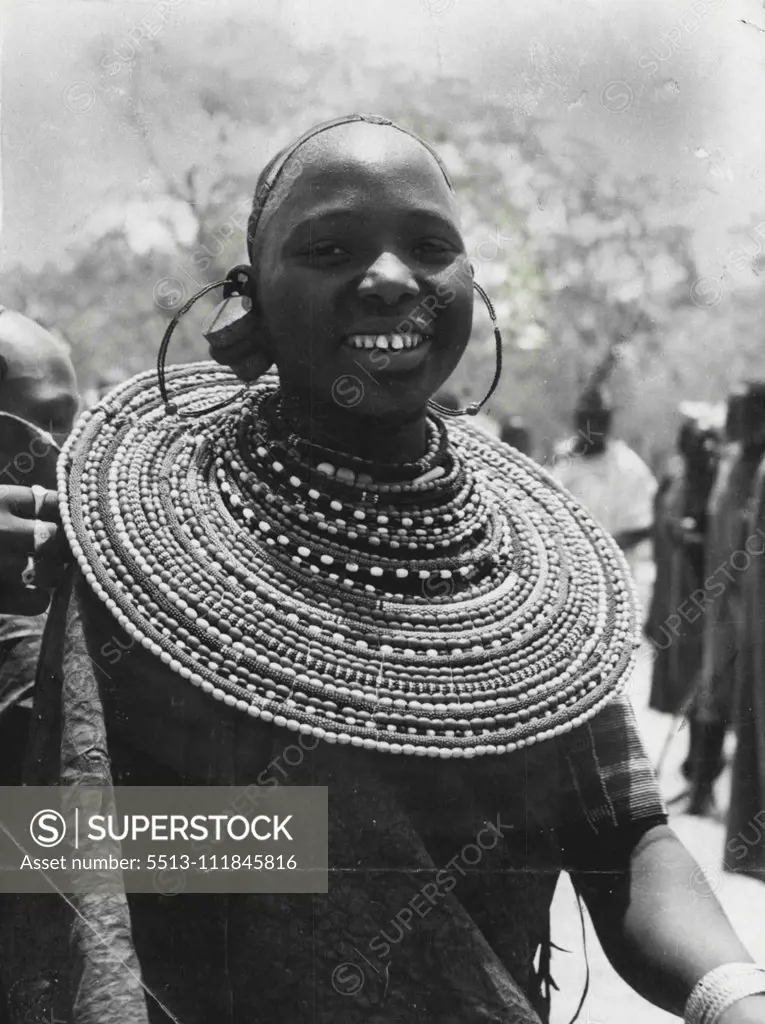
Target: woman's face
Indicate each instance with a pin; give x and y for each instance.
(363, 282)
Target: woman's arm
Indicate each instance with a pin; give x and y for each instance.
(659, 922)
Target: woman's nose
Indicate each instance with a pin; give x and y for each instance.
(388, 279)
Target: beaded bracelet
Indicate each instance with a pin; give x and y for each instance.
(720, 988)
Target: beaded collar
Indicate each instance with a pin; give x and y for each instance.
(471, 608)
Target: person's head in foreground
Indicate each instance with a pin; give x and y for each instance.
(316, 573)
(37, 378)
(37, 386)
(361, 290)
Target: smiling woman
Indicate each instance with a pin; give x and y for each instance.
(319, 557)
(338, 294)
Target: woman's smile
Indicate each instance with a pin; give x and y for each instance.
(385, 342)
(362, 271)
(393, 354)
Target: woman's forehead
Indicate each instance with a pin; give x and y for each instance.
(354, 163)
(372, 145)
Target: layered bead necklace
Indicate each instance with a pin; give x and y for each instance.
(456, 606)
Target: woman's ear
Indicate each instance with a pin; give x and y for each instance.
(235, 331)
(240, 280)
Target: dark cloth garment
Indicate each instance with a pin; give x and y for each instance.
(20, 643)
(401, 830)
(18, 664)
(723, 577)
(675, 626)
(676, 652)
(20, 640)
(16, 627)
(59, 955)
(745, 846)
(660, 607)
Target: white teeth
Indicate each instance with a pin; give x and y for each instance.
(396, 342)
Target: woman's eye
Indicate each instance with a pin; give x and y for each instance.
(323, 249)
(431, 247)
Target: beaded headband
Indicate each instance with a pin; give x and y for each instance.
(465, 606)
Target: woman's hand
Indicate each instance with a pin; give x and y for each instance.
(29, 525)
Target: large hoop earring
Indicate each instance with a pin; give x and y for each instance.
(475, 407)
(235, 284)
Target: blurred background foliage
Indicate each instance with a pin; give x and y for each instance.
(576, 255)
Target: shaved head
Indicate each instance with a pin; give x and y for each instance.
(355, 237)
(324, 159)
(37, 378)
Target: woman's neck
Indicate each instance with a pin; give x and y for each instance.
(374, 440)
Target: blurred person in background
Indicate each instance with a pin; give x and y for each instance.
(680, 525)
(606, 475)
(720, 597)
(38, 404)
(680, 529)
(38, 387)
(745, 850)
(513, 431)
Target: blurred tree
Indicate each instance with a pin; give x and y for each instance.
(574, 256)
